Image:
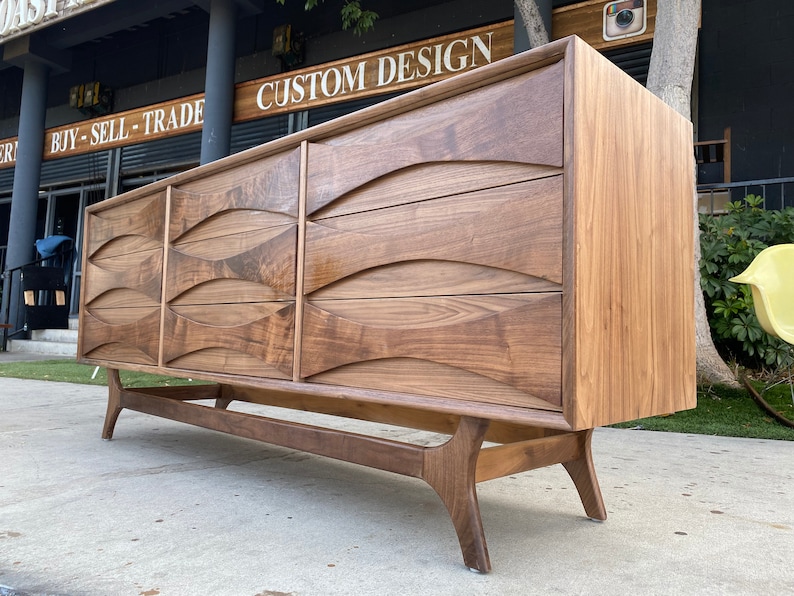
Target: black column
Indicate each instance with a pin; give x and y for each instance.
(216, 133)
(27, 173)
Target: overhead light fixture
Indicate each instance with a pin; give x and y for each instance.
(92, 99)
(288, 46)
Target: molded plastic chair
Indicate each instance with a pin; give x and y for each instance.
(771, 278)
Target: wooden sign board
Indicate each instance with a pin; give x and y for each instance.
(398, 68)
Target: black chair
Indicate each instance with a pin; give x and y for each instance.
(44, 290)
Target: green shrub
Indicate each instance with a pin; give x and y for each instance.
(728, 244)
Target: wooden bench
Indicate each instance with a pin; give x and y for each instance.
(503, 257)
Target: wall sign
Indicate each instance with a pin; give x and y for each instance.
(20, 17)
(396, 69)
(591, 20)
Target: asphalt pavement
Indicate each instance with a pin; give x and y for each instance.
(170, 509)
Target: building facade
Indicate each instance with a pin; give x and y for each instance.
(101, 96)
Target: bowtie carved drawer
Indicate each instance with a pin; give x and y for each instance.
(506, 256)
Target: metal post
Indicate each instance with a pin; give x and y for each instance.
(27, 174)
(219, 82)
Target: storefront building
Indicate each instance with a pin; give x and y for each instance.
(101, 96)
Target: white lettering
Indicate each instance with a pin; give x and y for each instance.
(313, 84)
(199, 118)
(404, 66)
(424, 61)
(382, 79)
(7, 10)
(337, 82)
(285, 96)
(172, 120)
(439, 70)
(17, 15)
(106, 132)
(21, 16)
(8, 152)
(462, 61)
(485, 50)
(185, 114)
(159, 117)
(36, 13)
(259, 97)
(63, 141)
(351, 78)
(298, 92)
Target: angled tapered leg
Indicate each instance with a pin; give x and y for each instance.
(114, 403)
(227, 397)
(450, 469)
(582, 472)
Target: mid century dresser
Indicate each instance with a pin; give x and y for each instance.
(505, 256)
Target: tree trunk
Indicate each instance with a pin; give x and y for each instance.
(670, 78)
(536, 30)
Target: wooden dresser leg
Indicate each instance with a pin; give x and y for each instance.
(114, 403)
(582, 472)
(450, 469)
(226, 398)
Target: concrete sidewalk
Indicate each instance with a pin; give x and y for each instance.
(169, 509)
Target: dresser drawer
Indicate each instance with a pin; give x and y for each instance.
(244, 339)
(506, 239)
(495, 349)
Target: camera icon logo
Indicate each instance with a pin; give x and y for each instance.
(624, 19)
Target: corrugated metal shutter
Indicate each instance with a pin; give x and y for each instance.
(72, 170)
(6, 180)
(162, 154)
(329, 112)
(250, 134)
(69, 170)
(633, 60)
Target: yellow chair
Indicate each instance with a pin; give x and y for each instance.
(771, 279)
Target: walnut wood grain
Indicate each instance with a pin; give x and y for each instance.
(455, 131)
(140, 273)
(389, 413)
(453, 229)
(144, 217)
(270, 263)
(431, 181)
(450, 469)
(140, 339)
(630, 348)
(271, 187)
(514, 340)
(269, 339)
(582, 472)
(453, 260)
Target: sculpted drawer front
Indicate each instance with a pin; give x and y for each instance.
(233, 236)
(476, 129)
(506, 239)
(495, 349)
(242, 339)
(122, 281)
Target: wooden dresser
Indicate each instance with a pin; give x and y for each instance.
(503, 256)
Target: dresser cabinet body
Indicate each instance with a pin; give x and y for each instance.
(504, 256)
(514, 244)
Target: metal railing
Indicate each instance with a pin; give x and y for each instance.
(772, 190)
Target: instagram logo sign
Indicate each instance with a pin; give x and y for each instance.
(624, 19)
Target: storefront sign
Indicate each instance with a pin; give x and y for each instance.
(20, 17)
(401, 68)
(396, 69)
